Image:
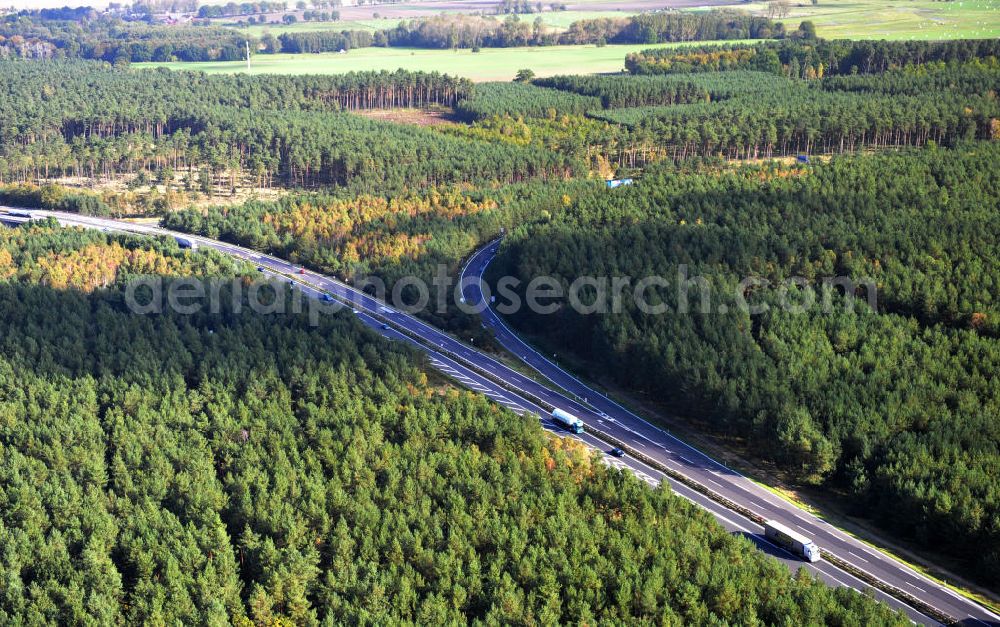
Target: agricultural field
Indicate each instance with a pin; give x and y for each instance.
(861, 19)
(489, 64)
(895, 19)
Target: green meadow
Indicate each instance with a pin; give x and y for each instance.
(896, 19)
(489, 64)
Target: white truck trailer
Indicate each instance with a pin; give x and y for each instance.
(567, 420)
(791, 540)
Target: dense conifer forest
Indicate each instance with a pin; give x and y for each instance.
(87, 119)
(895, 406)
(253, 469)
(822, 57)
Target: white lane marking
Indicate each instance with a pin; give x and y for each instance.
(858, 556)
(685, 459)
(915, 586)
(875, 555)
(846, 585)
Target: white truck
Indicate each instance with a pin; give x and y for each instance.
(567, 420)
(791, 540)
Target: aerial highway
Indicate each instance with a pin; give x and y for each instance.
(661, 445)
(521, 393)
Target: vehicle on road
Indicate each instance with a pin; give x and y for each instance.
(327, 298)
(617, 452)
(385, 326)
(567, 420)
(302, 270)
(260, 268)
(791, 540)
(186, 243)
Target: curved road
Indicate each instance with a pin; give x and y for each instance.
(595, 408)
(478, 371)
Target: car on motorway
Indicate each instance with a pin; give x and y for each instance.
(327, 298)
(260, 268)
(385, 326)
(302, 270)
(617, 452)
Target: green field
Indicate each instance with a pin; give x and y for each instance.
(490, 64)
(834, 19)
(861, 19)
(896, 19)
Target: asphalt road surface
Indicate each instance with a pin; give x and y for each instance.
(522, 394)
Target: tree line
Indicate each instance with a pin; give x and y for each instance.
(817, 58)
(87, 35)
(324, 41)
(107, 38)
(232, 9)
